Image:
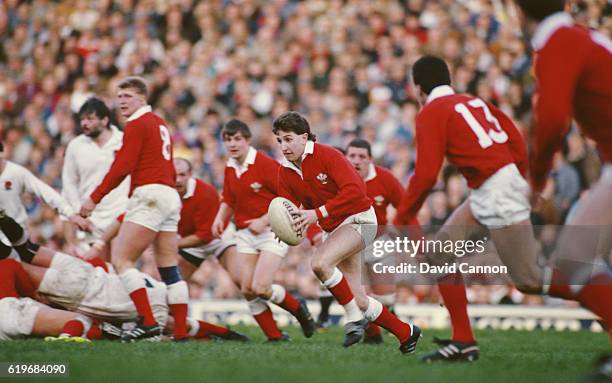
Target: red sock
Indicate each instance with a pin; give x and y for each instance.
(593, 297)
(290, 304)
(141, 301)
(342, 292)
(373, 330)
(210, 329)
(559, 286)
(73, 328)
(179, 312)
(391, 323)
(94, 332)
(452, 289)
(265, 320)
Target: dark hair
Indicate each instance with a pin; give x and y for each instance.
(429, 72)
(235, 126)
(1, 146)
(540, 9)
(185, 161)
(96, 106)
(360, 143)
(292, 122)
(136, 83)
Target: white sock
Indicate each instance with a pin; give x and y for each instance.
(194, 326)
(132, 280)
(278, 294)
(257, 306)
(374, 309)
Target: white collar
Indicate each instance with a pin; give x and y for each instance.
(191, 185)
(308, 149)
(439, 91)
(371, 173)
(249, 160)
(547, 27)
(140, 112)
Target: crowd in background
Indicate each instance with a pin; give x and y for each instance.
(344, 64)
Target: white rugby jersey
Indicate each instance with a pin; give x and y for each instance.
(85, 165)
(16, 180)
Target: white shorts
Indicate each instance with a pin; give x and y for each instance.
(17, 317)
(78, 286)
(215, 248)
(502, 200)
(249, 243)
(157, 207)
(365, 223)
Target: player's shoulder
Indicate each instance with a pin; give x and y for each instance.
(204, 189)
(9, 263)
(383, 172)
(14, 168)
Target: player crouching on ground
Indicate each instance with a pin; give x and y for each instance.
(321, 180)
(92, 288)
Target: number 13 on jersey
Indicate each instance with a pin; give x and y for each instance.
(486, 136)
(166, 142)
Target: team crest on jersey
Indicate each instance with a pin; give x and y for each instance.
(322, 177)
(256, 186)
(8, 185)
(378, 200)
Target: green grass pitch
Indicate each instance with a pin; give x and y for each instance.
(506, 356)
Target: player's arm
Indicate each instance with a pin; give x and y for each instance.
(343, 174)
(557, 70)
(431, 144)
(516, 141)
(124, 164)
(70, 192)
(226, 210)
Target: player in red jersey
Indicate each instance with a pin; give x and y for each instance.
(321, 180)
(153, 210)
(384, 190)
(490, 153)
(574, 80)
(248, 187)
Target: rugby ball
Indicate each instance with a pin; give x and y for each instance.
(281, 214)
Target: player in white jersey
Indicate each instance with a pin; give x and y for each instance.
(16, 180)
(87, 159)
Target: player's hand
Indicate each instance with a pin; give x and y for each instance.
(87, 207)
(305, 219)
(82, 223)
(257, 225)
(217, 227)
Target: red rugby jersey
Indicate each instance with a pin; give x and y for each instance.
(249, 188)
(573, 68)
(200, 205)
(384, 190)
(475, 136)
(14, 281)
(146, 155)
(326, 182)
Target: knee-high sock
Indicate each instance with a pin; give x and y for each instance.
(178, 296)
(284, 299)
(379, 314)
(263, 316)
(340, 289)
(452, 289)
(135, 286)
(202, 329)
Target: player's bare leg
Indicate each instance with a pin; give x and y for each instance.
(60, 325)
(582, 274)
(460, 225)
(262, 284)
(131, 242)
(341, 250)
(258, 307)
(231, 263)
